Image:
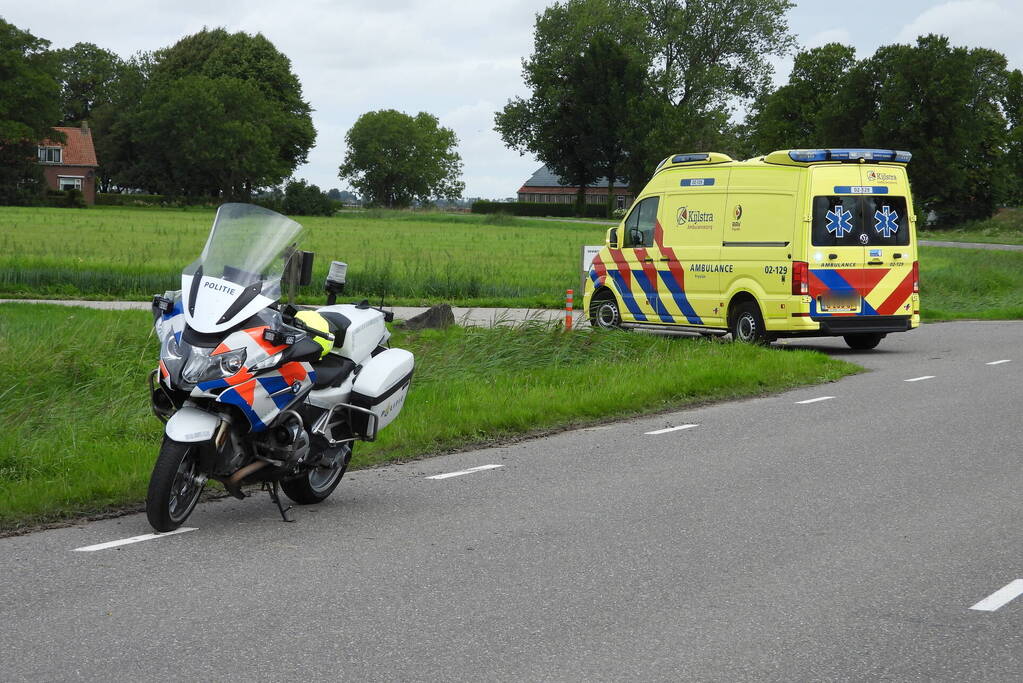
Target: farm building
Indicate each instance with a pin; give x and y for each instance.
(544, 186)
(71, 164)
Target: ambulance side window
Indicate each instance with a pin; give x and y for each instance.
(639, 226)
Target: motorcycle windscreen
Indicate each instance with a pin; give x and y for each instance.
(240, 269)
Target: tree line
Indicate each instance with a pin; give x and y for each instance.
(617, 85)
(217, 115)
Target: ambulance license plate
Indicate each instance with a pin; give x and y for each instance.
(840, 303)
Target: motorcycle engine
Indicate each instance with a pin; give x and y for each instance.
(291, 442)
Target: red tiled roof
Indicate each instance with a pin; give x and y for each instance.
(78, 149)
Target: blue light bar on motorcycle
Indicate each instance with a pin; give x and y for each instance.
(848, 154)
(686, 158)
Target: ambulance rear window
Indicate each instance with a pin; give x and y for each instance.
(849, 221)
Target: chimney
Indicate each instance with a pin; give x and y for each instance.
(85, 127)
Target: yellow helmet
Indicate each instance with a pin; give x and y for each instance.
(315, 321)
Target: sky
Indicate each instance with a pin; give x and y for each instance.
(460, 60)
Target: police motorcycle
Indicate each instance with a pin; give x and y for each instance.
(253, 391)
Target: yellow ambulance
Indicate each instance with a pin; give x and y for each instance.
(797, 243)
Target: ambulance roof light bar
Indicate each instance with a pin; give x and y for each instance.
(846, 154)
(687, 158)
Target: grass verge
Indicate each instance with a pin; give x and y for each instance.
(77, 437)
(1005, 227)
(970, 283)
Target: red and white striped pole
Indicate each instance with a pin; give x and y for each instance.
(568, 309)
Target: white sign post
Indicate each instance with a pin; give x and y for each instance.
(588, 254)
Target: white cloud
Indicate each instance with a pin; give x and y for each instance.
(994, 24)
(834, 35)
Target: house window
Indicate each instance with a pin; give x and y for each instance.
(66, 182)
(620, 201)
(49, 155)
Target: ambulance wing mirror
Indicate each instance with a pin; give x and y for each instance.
(612, 238)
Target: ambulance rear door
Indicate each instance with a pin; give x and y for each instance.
(837, 252)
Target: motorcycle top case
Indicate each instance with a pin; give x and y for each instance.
(381, 387)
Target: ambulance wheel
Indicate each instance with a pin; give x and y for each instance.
(863, 341)
(604, 312)
(314, 486)
(748, 325)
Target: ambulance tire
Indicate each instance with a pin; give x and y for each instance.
(604, 312)
(748, 325)
(863, 341)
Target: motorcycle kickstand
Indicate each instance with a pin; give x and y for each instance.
(276, 498)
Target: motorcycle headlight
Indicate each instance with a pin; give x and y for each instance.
(202, 367)
(198, 365)
(171, 348)
(232, 361)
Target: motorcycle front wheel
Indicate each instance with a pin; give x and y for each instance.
(175, 485)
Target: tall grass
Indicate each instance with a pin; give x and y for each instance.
(409, 258)
(1005, 227)
(76, 434)
(402, 257)
(971, 283)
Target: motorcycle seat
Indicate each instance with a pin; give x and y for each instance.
(331, 371)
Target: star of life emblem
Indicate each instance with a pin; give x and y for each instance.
(838, 221)
(887, 221)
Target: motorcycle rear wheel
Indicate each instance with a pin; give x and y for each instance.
(175, 485)
(316, 485)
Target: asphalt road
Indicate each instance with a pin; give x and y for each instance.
(843, 539)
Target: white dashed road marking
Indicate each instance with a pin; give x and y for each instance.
(918, 379)
(459, 473)
(671, 429)
(133, 539)
(999, 362)
(1000, 597)
(815, 400)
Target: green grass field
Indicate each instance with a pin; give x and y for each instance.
(1005, 227)
(408, 258)
(971, 283)
(411, 259)
(77, 436)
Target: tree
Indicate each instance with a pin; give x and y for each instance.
(303, 199)
(218, 54)
(202, 136)
(605, 98)
(87, 75)
(791, 116)
(940, 102)
(113, 124)
(394, 159)
(1011, 171)
(28, 110)
(699, 56)
(247, 126)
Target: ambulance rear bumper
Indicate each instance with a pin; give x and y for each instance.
(854, 324)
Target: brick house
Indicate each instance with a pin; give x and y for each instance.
(544, 186)
(71, 164)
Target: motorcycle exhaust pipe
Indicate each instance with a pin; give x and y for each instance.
(233, 483)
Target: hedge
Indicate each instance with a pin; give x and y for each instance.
(117, 199)
(538, 209)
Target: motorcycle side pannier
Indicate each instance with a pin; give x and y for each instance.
(381, 388)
